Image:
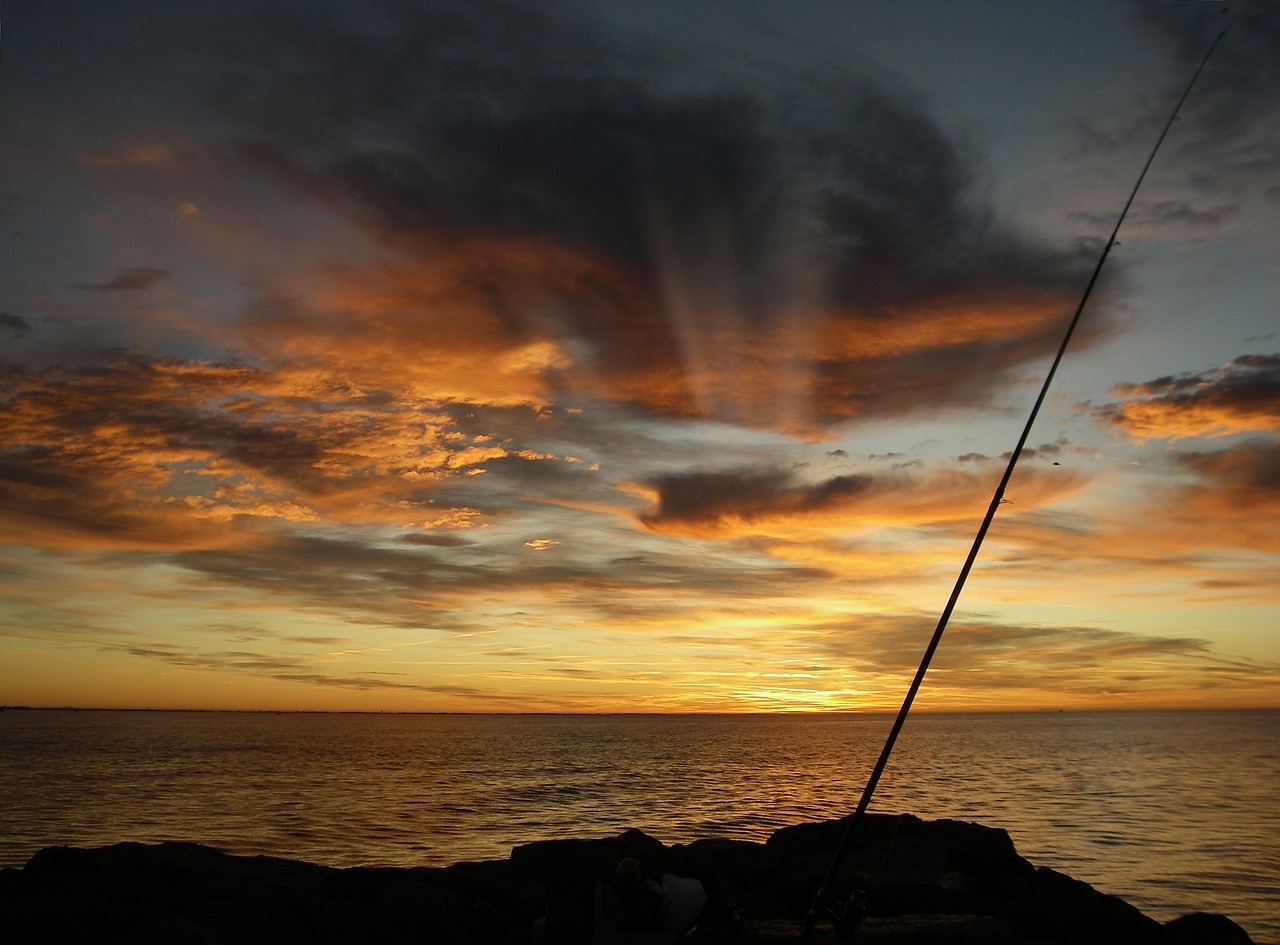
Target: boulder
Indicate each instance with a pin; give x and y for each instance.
(1200, 928)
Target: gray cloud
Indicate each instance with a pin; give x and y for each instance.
(14, 324)
(1246, 475)
(747, 494)
(977, 656)
(134, 279)
(462, 125)
(287, 669)
(1249, 380)
(1230, 133)
(418, 586)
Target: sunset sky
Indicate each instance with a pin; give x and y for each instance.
(635, 356)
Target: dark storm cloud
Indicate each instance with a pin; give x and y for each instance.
(745, 494)
(133, 279)
(443, 125)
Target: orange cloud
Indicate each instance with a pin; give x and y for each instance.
(1235, 504)
(816, 366)
(169, 451)
(476, 322)
(939, 325)
(1242, 396)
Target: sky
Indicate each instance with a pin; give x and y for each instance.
(636, 356)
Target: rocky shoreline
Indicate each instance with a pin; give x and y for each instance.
(927, 883)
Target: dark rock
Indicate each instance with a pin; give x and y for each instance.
(929, 883)
(952, 845)
(914, 866)
(1056, 907)
(175, 893)
(768, 881)
(598, 858)
(1201, 928)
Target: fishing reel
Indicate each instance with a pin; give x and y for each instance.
(845, 913)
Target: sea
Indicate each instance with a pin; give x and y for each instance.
(1174, 812)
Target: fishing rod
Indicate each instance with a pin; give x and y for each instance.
(824, 902)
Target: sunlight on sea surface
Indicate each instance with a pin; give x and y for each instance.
(1175, 812)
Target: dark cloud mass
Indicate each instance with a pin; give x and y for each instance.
(744, 495)
(809, 228)
(133, 279)
(13, 324)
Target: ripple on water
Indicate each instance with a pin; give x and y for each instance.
(1129, 802)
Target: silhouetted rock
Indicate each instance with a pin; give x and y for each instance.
(1056, 907)
(1201, 928)
(596, 858)
(921, 883)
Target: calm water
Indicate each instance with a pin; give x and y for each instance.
(1175, 812)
